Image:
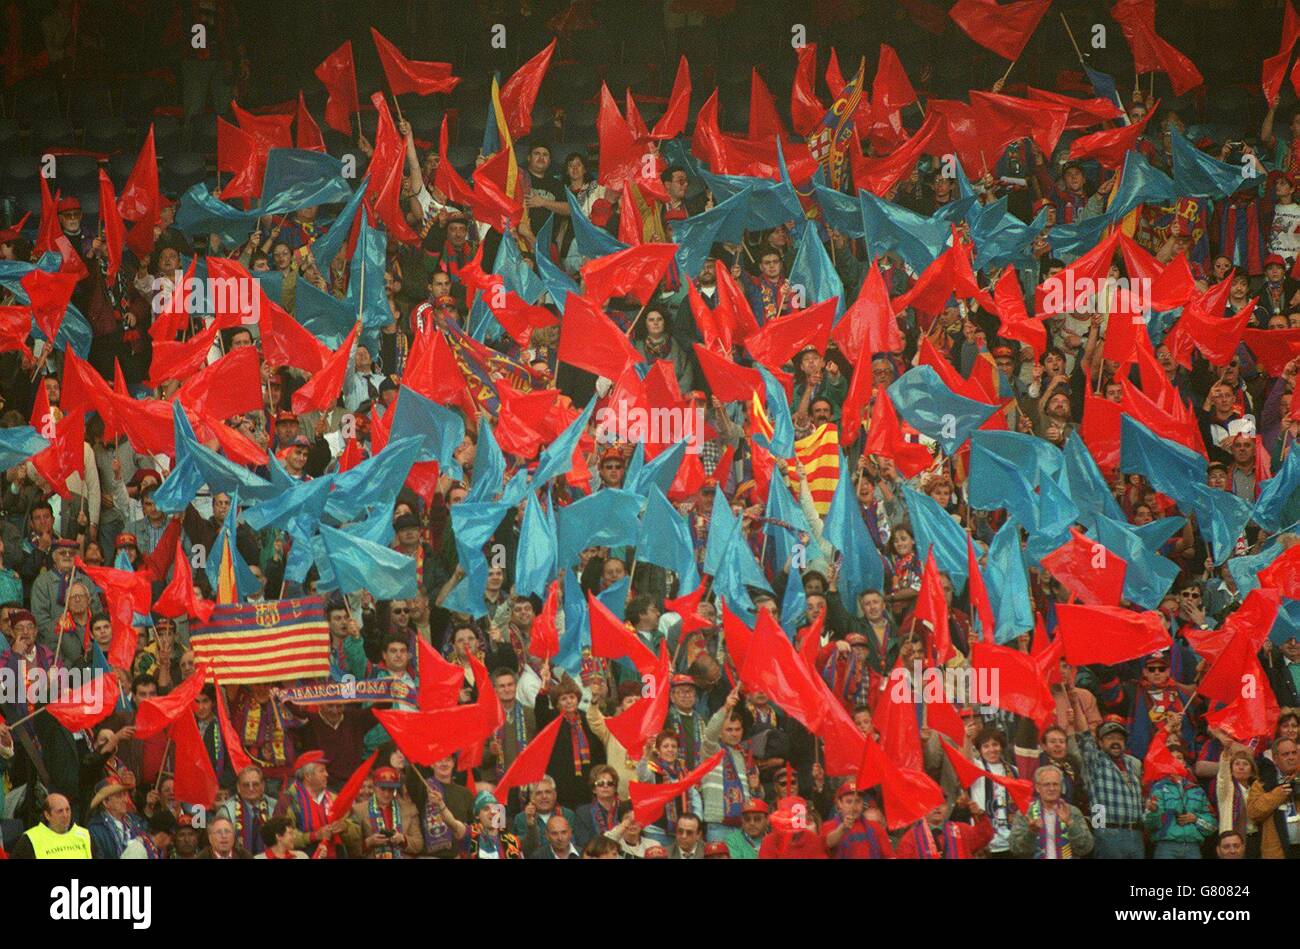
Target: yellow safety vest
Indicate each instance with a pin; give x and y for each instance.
(73, 845)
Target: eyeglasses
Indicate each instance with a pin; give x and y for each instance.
(401, 610)
(604, 784)
(1157, 668)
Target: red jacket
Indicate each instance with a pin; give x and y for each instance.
(918, 844)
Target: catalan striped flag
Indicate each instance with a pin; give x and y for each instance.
(227, 586)
(268, 641)
(819, 453)
(759, 421)
(496, 136)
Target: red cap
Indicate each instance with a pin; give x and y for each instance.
(756, 806)
(716, 849)
(387, 777)
(309, 757)
(848, 787)
(681, 678)
(1272, 259)
(70, 203)
(656, 852)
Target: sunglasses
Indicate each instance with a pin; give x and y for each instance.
(604, 784)
(402, 610)
(1157, 668)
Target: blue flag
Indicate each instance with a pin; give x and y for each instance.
(1035, 457)
(1198, 175)
(781, 445)
(860, 566)
(794, 604)
(996, 483)
(890, 227)
(575, 639)
(245, 582)
(813, 271)
(665, 540)
(441, 431)
(535, 559)
(1008, 585)
(659, 472)
(1171, 468)
(361, 564)
(1149, 576)
(592, 241)
(1279, 497)
(326, 247)
(1069, 241)
(1083, 482)
(783, 509)
(841, 211)
(489, 465)
(299, 178)
(608, 518)
(934, 529)
(696, 235)
(558, 283)
(515, 272)
(370, 257)
(557, 457)
(1140, 184)
(1221, 517)
(473, 523)
(928, 405)
(18, 444)
(374, 481)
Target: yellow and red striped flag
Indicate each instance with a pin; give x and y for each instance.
(819, 453)
(227, 587)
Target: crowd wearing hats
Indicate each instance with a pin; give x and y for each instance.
(902, 462)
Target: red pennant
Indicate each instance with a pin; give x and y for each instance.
(194, 781)
(179, 598)
(339, 76)
(1088, 570)
(1111, 146)
(409, 75)
(1109, 635)
(1160, 761)
(592, 342)
(610, 639)
(86, 706)
(649, 800)
(307, 132)
(1137, 18)
(806, 111)
(322, 390)
(869, 326)
(239, 758)
(1022, 689)
(49, 295)
(634, 273)
(764, 121)
(156, 714)
(1020, 790)
(530, 764)
(673, 122)
(440, 680)
(908, 795)
(545, 641)
(114, 229)
(931, 608)
(519, 93)
(644, 718)
(341, 806)
(1003, 28)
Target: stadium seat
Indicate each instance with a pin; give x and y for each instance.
(105, 133)
(180, 170)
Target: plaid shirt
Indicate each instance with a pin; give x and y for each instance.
(1118, 792)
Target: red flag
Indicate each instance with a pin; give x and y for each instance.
(1151, 53)
(285, 342)
(591, 341)
(644, 718)
(673, 122)
(1084, 113)
(181, 360)
(908, 795)
(1252, 714)
(88, 705)
(519, 319)
(1274, 68)
(885, 436)
(1111, 146)
(649, 800)
(977, 594)
(339, 77)
(1244, 633)
(440, 680)
(778, 342)
(270, 131)
(900, 735)
(530, 764)
(943, 718)
(809, 641)
(1003, 28)
(634, 272)
(114, 229)
(1216, 337)
(1109, 635)
(931, 608)
(1020, 789)
(179, 598)
(409, 75)
(891, 90)
(227, 387)
(764, 122)
(307, 132)
(49, 229)
(806, 111)
(140, 197)
(686, 607)
(545, 641)
(520, 92)
(239, 758)
(341, 806)
(771, 666)
(620, 151)
(43, 419)
(156, 714)
(66, 454)
(729, 382)
(388, 203)
(239, 153)
(322, 390)
(610, 639)
(1283, 574)
(194, 781)
(1015, 321)
(634, 120)
(49, 294)
(1088, 570)
(1075, 287)
(950, 274)
(428, 737)
(1160, 761)
(1002, 119)
(1022, 688)
(855, 402)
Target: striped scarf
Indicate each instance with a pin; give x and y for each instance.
(1061, 838)
(953, 846)
(249, 819)
(666, 772)
(578, 740)
(380, 823)
(1239, 818)
(733, 788)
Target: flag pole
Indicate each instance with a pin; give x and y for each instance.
(398, 105)
(1003, 80)
(637, 319)
(58, 646)
(1070, 33)
(27, 717)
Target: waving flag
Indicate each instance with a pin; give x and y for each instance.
(1003, 28)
